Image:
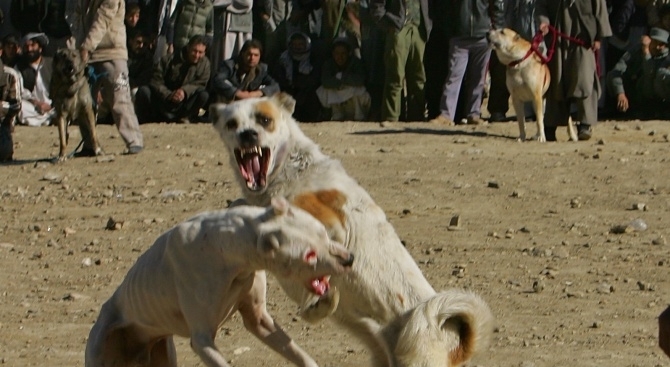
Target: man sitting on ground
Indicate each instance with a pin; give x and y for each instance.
(343, 84)
(632, 79)
(245, 76)
(178, 86)
(36, 72)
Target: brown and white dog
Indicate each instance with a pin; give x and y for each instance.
(202, 271)
(385, 300)
(527, 78)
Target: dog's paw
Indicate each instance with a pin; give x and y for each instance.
(541, 138)
(322, 308)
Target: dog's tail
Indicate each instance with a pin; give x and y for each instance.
(449, 327)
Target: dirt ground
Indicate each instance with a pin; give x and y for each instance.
(537, 236)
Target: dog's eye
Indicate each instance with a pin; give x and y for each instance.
(231, 124)
(263, 120)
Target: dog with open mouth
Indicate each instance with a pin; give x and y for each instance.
(202, 271)
(385, 300)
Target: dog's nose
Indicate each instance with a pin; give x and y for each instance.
(348, 262)
(249, 137)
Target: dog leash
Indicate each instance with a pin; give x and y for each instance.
(539, 37)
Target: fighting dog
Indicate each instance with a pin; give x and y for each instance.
(385, 300)
(196, 275)
(527, 78)
(71, 97)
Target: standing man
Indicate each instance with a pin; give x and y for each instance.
(573, 68)
(466, 23)
(408, 25)
(100, 36)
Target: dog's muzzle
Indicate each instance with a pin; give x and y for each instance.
(253, 160)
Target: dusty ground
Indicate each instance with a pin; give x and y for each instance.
(530, 213)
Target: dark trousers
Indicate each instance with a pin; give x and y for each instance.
(145, 99)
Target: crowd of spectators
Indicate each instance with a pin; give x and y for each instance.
(374, 60)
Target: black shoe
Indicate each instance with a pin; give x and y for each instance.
(498, 117)
(135, 149)
(85, 152)
(550, 133)
(584, 132)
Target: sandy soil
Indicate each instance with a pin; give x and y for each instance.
(536, 239)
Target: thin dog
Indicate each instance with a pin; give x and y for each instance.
(71, 97)
(385, 300)
(196, 275)
(527, 79)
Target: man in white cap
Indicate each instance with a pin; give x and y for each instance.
(36, 72)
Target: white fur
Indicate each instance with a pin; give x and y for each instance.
(385, 283)
(196, 275)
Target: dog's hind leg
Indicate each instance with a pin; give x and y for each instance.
(572, 132)
(89, 117)
(258, 321)
(538, 105)
(163, 354)
(520, 118)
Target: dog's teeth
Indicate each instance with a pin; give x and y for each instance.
(260, 152)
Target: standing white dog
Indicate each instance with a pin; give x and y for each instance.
(384, 300)
(527, 79)
(196, 275)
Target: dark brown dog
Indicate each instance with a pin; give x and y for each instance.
(71, 96)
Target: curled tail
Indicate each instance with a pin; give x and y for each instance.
(447, 329)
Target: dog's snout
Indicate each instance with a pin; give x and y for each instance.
(249, 137)
(348, 261)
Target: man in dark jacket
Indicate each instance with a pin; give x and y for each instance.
(178, 86)
(244, 76)
(467, 23)
(408, 23)
(10, 107)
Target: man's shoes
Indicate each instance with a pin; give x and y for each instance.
(85, 152)
(135, 149)
(497, 117)
(442, 120)
(550, 133)
(584, 132)
(476, 120)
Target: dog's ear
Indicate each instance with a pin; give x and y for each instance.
(215, 111)
(285, 101)
(279, 205)
(516, 38)
(267, 243)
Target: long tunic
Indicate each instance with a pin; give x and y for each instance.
(573, 67)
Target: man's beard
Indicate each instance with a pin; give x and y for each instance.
(33, 55)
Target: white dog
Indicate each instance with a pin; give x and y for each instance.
(196, 275)
(527, 78)
(384, 300)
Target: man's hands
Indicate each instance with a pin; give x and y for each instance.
(240, 94)
(646, 42)
(177, 96)
(42, 107)
(544, 28)
(622, 102)
(85, 55)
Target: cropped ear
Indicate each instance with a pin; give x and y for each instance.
(285, 101)
(267, 243)
(279, 205)
(214, 111)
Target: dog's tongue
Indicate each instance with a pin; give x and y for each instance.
(252, 167)
(320, 286)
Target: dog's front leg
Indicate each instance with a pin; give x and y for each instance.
(62, 135)
(520, 118)
(203, 345)
(259, 322)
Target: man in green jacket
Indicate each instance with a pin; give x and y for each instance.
(178, 88)
(631, 81)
